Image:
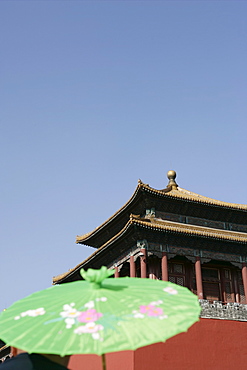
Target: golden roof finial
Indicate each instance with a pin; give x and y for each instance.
(171, 176)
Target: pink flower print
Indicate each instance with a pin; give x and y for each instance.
(151, 310)
(90, 327)
(89, 315)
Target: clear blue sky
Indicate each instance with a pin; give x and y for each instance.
(95, 95)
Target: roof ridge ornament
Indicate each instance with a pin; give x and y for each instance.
(171, 177)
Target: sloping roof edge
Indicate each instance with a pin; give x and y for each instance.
(164, 225)
(84, 237)
(178, 193)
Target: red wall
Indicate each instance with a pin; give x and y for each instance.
(114, 361)
(208, 344)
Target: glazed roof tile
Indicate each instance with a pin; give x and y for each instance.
(168, 226)
(171, 192)
(189, 195)
(192, 229)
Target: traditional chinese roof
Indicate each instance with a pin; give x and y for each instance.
(171, 199)
(190, 196)
(163, 231)
(202, 222)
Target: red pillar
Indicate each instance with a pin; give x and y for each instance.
(143, 258)
(244, 276)
(132, 267)
(236, 287)
(164, 266)
(199, 278)
(116, 275)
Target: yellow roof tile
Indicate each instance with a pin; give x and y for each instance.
(168, 192)
(164, 225)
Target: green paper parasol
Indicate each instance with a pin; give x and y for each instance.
(99, 315)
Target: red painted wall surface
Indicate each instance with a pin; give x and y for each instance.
(114, 361)
(208, 344)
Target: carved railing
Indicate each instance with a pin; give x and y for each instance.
(4, 358)
(218, 310)
(5, 353)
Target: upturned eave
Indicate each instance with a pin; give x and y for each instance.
(120, 217)
(160, 226)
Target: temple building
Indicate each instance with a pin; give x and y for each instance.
(176, 235)
(189, 239)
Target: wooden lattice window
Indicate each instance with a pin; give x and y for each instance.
(179, 280)
(211, 284)
(240, 287)
(241, 293)
(222, 283)
(176, 273)
(211, 291)
(229, 295)
(210, 274)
